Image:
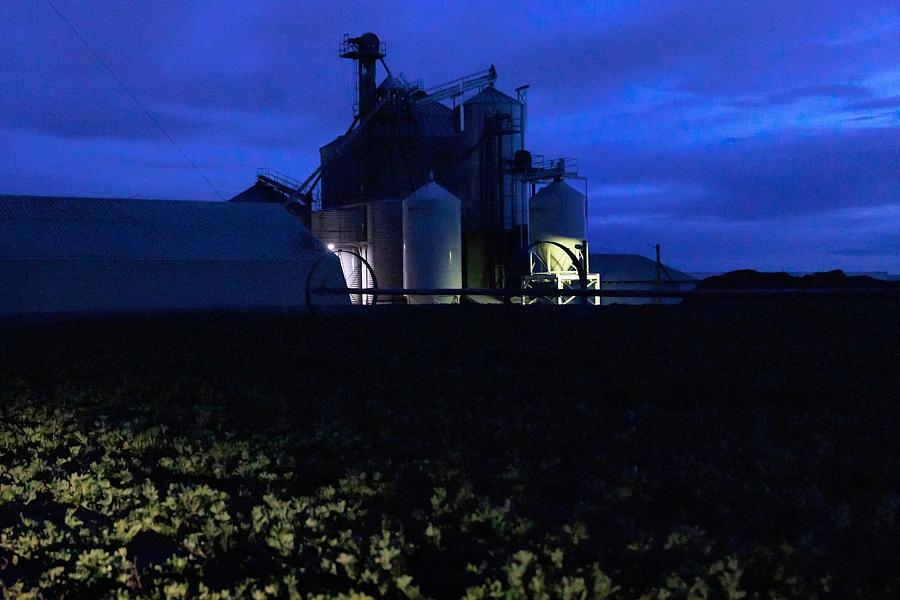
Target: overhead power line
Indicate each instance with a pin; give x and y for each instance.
(135, 98)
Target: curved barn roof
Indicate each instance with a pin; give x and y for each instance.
(75, 255)
(53, 227)
(632, 267)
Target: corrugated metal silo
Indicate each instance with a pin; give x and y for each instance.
(493, 125)
(342, 177)
(385, 242)
(432, 242)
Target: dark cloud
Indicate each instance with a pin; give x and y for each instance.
(761, 178)
(860, 118)
(866, 252)
(833, 91)
(877, 103)
(716, 48)
(720, 246)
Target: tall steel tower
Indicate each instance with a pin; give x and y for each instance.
(365, 50)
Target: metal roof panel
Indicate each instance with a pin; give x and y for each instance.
(99, 228)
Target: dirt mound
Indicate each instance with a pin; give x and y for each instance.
(748, 279)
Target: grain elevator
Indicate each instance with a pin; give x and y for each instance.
(436, 187)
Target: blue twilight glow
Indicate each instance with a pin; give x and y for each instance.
(737, 134)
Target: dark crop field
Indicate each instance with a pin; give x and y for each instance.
(742, 450)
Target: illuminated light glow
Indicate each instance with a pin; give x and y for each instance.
(331, 246)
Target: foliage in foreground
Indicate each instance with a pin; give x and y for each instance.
(125, 510)
(142, 478)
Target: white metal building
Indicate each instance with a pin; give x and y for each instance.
(62, 255)
(636, 272)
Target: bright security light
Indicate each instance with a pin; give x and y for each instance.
(331, 246)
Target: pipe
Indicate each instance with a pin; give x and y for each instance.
(501, 292)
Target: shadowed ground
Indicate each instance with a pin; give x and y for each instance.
(697, 451)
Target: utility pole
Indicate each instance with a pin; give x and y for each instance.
(658, 275)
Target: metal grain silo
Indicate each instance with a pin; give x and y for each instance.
(385, 243)
(558, 213)
(432, 242)
(494, 131)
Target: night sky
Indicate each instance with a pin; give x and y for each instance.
(761, 134)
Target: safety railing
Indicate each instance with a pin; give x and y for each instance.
(561, 165)
(277, 177)
(626, 293)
